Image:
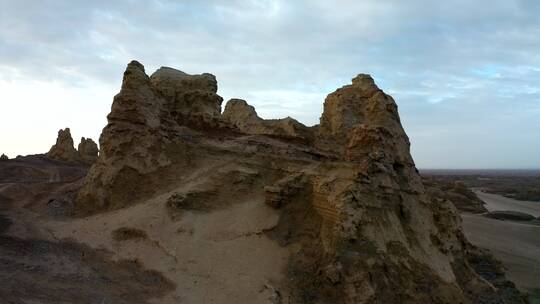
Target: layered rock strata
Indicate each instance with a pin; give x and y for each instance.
(354, 214)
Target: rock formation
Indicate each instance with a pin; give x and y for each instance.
(456, 192)
(189, 97)
(88, 150)
(353, 212)
(64, 150)
(244, 117)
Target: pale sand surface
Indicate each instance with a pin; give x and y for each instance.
(495, 202)
(222, 256)
(516, 244)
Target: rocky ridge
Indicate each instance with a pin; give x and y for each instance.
(456, 192)
(354, 214)
(64, 149)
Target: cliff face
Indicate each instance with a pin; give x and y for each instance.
(354, 216)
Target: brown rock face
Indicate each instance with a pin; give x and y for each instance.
(244, 117)
(361, 108)
(354, 216)
(191, 97)
(456, 192)
(88, 150)
(63, 150)
(132, 144)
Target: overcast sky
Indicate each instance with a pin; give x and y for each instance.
(465, 74)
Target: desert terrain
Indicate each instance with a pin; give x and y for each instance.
(513, 241)
(186, 203)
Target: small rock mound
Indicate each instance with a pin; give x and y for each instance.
(510, 215)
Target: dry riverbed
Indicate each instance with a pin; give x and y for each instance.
(516, 244)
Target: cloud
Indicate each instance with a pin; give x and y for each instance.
(463, 77)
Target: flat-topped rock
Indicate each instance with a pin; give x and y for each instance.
(188, 95)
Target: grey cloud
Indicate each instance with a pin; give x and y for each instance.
(463, 72)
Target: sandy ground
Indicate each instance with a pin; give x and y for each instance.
(495, 202)
(517, 245)
(216, 255)
(222, 256)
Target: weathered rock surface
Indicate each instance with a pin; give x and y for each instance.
(189, 97)
(88, 150)
(456, 192)
(64, 150)
(354, 215)
(133, 143)
(244, 117)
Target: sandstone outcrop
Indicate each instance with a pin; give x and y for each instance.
(456, 192)
(244, 117)
(353, 212)
(64, 150)
(88, 150)
(189, 97)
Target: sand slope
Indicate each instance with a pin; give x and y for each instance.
(220, 256)
(517, 245)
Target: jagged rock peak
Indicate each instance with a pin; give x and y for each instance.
(4, 157)
(134, 75)
(88, 150)
(365, 82)
(362, 102)
(63, 149)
